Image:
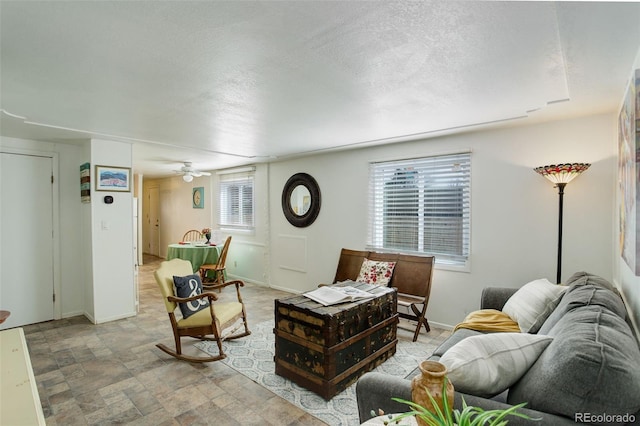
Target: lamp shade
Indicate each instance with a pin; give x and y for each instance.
(562, 173)
(187, 178)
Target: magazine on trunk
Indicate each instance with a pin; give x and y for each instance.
(328, 295)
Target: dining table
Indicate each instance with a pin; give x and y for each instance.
(197, 253)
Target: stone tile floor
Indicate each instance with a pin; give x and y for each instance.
(113, 373)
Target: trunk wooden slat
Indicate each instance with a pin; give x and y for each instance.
(326, 348)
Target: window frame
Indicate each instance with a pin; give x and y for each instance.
(425, 173)
(243, 179)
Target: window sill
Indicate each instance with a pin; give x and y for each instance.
(466, 268)
(237, 231)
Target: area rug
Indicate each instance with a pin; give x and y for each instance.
(253, 357)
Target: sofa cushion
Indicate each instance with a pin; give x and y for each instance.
(376, 272)
(585, 278)
(488, 364)
(591, 366)
(533, 303)
(579, 295)
(188, 286)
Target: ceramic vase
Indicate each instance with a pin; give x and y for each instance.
(431, 380)
(208, 236)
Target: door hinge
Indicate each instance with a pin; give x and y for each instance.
(54, 298)
(52, 179)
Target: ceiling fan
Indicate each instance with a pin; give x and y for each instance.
(188, 172)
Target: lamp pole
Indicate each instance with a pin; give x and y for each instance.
(561, 175)
(561, 197)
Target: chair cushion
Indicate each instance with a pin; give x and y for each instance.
(188, 286)
(533, 303)
(591, 366)
(376, 272)
(224, 312)
(487, 364)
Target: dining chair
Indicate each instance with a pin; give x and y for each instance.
(192, 235)
(208, 323)
(218, 270)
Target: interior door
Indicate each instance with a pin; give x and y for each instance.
(154, 221)
(26, 238)
(136, 266)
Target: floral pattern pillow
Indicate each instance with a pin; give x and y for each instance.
(375, 272)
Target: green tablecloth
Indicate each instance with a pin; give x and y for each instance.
(197, 255)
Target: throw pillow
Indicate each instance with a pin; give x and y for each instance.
(375, 272)
(533, 303)
(487, 364)
(188, 286)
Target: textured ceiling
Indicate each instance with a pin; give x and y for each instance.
(230, 83)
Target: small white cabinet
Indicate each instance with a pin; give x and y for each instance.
(19, 399)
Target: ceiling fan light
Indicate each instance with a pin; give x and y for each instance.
(187, 178)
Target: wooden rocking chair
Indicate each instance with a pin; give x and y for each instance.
(206, 322)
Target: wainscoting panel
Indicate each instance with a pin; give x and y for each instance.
(292, 253)
(247, 261)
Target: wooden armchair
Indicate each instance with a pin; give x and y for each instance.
(218, 269)
(411, 276)
(211, 321)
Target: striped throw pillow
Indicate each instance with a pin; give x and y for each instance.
(487, 364)
(533, 303)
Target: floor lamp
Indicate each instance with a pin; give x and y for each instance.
(561, 175)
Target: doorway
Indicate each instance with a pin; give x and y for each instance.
(26, 238)
(152, 223)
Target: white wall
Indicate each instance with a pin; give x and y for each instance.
(514, 210)
(95, 265)
(626, 279)
(87, 242)
(112, 238)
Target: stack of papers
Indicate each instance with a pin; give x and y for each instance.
(333, 295)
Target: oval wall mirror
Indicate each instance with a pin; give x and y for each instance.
(301, 200)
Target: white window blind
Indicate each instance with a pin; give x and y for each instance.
(422, 205)
(236, 200)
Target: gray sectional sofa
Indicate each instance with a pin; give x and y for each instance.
(589, 373)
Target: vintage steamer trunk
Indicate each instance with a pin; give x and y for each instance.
(326, 348)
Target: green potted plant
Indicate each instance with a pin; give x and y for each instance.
(469, 416)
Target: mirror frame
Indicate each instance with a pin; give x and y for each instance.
(310, 216)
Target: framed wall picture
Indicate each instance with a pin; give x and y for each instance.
(628, 169)
(111, 178)
(198, 197)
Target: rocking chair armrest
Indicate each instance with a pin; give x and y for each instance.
(207, 294)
